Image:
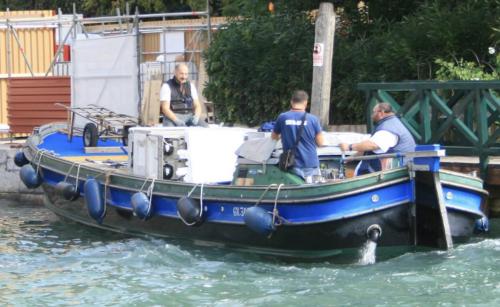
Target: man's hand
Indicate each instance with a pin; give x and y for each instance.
(344, 146)
(179, 123)
(194, 120)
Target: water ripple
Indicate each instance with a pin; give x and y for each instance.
(45, 261)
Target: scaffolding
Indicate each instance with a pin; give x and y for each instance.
(154, 60)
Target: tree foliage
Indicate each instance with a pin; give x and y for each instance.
(384, 40)
(408, 49)
(254, 62)
(261, 57)
(106, 7)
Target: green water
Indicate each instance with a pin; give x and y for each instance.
(48, 262)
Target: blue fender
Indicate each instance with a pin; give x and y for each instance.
(188, 210)
(259, 220)
(68, 190)
(20, 159)
(141, 205)
(94, 200)
(30, 177)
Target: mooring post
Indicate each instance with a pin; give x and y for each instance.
(432, 226)
(322, 63)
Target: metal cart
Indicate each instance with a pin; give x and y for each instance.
(104, 124)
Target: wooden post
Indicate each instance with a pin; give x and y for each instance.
(432, 226)
(322, 63)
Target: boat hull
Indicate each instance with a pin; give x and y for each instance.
(312, 221)
(309, 240)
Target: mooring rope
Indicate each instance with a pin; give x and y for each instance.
(144, 183)
(192, 190)
(264, 193)
(78, 174)
(69, 171)
(150, 195)
(275, 209)
(39, 155)
(107, 178)
(201, 199)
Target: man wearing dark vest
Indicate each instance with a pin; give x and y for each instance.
(390, 136)
(179, 101)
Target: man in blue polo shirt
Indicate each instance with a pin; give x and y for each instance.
(287, 128)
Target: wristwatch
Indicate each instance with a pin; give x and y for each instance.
(350, 147)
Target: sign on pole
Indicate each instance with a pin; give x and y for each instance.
(318, 54)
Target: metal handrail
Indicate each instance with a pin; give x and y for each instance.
(415, 154)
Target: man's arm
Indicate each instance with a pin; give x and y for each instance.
(320, 139)
(381, 141)
(196, 101)
(366, 145)
(196, 108)
(275, 136)
(167, 112)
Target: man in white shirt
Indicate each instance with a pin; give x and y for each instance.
(390, 136)
(179, 101)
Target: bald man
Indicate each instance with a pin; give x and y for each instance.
(390, 136)
(179, 101)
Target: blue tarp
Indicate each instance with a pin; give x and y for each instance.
(58, 143)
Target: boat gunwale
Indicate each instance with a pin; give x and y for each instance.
(462, 186)
(45, 130)
(269, 199)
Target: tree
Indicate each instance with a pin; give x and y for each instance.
(256, 63)
(385, 50)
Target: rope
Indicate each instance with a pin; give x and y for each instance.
(106, 182)
(192, 190)
(78, 175)
(277, 219)
(264, 193)
(201, 200)
(69, 171)
(144, 183)
(150, 195)
(275, 209)
(39, 155)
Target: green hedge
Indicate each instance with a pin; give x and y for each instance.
(255, 63)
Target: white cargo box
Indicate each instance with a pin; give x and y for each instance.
(200, 155)
(147, 149)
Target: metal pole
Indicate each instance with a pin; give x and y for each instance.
(127, 12)
(75, 22)
(138, 50)
(9, 55)
(59, 31)
(209, 33)
(59, 50)
(14, 32)
(119, 19)
(164, 51)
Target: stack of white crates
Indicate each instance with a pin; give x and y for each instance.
(193, 154)
(156, 152)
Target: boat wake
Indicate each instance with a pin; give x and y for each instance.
(367, 254)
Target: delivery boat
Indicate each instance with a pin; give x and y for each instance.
(188, 183)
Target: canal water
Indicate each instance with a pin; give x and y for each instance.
(46, 261)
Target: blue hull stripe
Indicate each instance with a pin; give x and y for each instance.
(299, 213)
